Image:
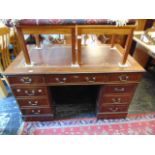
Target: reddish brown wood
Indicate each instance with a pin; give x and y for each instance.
(119, 89)
(79, 51)
(124, 77)
(29, 91)
(113, 108)
(75, 78)
(73, 46)
(99, 67)
(111, 116)
(36, 111)
(38, 118)
(33, 102)
(115, 99)
(104, 60)
(26, 79)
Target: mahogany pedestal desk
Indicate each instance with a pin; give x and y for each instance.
(110, 67)
(30, 85)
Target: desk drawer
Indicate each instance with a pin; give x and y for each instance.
(124, 77)
(33, 102)
(26, 79)
(115, 99)
(113, 108)
(111, 116)
(28, 91)
(36, 111)
(80, 78)
(48, 117)
(119, 88)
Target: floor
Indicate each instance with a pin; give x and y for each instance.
(143, 101)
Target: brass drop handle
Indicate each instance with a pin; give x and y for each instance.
(33, 104)
(36, 112)
(113, 109)
(90, 79)
(116, 100)
(26, 80)
(123, 78)
(30, 93)
(18, 90)
(119, 89)
(63, 80)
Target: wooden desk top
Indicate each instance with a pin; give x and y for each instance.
(57, 60)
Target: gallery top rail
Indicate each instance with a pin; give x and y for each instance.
(44, 22)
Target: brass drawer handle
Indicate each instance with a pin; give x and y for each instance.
(90, 79)
(26, 80)
(36, 112)
(33, 104)
(30, 93)
(116, 100)
(119, 89)
(123, 78)
(63, 80)
(18, 90)
(113, 109)
(40, 90)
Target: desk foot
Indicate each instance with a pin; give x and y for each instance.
(75, 65)
(123, 65)
(38, 47)
(29, 65)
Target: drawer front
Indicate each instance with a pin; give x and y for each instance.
(115, 99)
(113, 108)
(36, 111)
(111, 116)
(119, 88)
(32, 79)
(124, 77)
(83, 78)
(34, 91)
(33, 102)
(38, 118)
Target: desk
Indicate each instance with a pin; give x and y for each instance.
(30, 84)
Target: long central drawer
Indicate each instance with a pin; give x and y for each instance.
(73, 78)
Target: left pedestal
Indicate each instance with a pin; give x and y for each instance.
(33, 97)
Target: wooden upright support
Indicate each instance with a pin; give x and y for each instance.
(127, 47)
(37, 40)
(73, 46)
(113, 40)
(140, 24)
(79, 46)
(23, 45)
